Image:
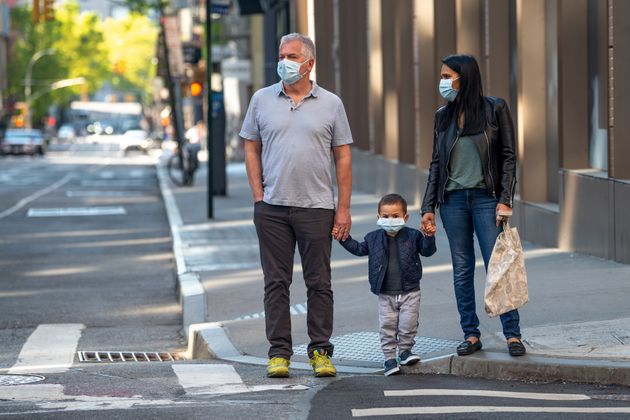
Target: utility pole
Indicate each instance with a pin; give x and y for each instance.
(28, 81)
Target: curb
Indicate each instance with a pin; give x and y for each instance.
(210, 341)
(191, 293)
(491, 365)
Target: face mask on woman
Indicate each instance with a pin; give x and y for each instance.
(390, 224)
(289, 71)
(446, 89)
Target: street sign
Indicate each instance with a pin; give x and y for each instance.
(221, 7)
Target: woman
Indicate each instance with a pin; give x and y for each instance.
(471, 179)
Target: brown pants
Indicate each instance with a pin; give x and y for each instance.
(279, 228)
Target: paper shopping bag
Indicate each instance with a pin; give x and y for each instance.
(506, 280)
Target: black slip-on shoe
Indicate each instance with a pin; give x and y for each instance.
(468, 347)
(516, 348)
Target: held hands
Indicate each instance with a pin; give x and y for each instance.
(427, 225)
(503, 213)
(343, 222)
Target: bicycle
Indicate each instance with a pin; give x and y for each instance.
(183, 175)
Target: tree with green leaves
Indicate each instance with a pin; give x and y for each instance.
(120, 51)
(132, 41)
(79, 51)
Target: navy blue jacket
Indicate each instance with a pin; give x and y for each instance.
(411, 242)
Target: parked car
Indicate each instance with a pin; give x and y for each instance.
(66, 133)
(136, 139)
(23, 141)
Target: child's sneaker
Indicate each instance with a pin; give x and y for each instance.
(407, 358)
(391, 367)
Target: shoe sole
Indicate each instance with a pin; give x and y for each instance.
(392, 371)
(410, 361)
(325, 374)
(281, 374)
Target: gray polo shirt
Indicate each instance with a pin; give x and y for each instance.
(297, 142)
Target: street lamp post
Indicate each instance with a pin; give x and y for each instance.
(28, 81)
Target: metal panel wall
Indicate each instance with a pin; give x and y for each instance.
(324, 36)
(354, 62)
(619, 82)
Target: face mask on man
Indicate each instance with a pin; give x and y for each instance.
(446, 89)
(289, 71)
(390, 224)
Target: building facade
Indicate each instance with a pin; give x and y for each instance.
(560, 64)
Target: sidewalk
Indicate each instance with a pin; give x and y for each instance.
(576, 325)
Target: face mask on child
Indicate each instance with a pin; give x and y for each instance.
(390, 225)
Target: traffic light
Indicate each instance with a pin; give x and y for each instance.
(195, 89)
(49, 10)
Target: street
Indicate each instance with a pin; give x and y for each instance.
(87, 267)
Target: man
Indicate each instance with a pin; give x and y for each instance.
(292, 131)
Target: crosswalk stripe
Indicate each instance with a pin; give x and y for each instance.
(212, 379)
(49, 349)
(485, 393)
(467, 409)
(23, 202)
(209, 379)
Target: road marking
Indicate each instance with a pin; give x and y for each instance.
(107, 174)
(72, 193)
(23, 202)
(467, 409)
(207, 379)
(113, 183)
(485, 393)
(49, 349)
(77, 211)
(297, 309)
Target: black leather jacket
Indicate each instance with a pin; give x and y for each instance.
(497, 150)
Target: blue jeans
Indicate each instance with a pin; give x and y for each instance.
(465, 213)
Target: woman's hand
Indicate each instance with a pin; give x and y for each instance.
(427, 225)
(503, 213)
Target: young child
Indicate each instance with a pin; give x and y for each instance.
(394, 275)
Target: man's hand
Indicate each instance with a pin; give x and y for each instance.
(343, 223)
(427, 225)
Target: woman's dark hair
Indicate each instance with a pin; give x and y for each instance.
(393, 198)
(469, 99)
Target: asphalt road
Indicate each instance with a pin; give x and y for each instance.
(86, 265)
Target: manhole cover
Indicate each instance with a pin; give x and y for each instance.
(6, 380)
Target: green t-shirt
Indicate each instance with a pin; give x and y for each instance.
(465, 166)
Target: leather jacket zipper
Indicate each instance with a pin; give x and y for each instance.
(448, 160)
(494, 194)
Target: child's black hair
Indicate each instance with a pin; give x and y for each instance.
(393, 198)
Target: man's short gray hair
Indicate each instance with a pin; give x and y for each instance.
(308, 47)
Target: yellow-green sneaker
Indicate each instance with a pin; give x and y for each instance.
(322, 366)
(278, 367)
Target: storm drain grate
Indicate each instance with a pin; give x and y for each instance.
(6, 380)
(365, 346)
(125, 356)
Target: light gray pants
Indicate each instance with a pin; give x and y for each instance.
(398, 320)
